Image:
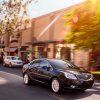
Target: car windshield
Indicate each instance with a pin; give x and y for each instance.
(15, 58)
(60, 64)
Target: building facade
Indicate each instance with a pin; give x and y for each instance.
(45, 38)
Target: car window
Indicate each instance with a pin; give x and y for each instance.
(45, 65)
(7, 57)
(35, 63)
(15, 58)
(60, 64)
(32, 62)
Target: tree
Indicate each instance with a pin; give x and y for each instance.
(85, 24)
(13, 17)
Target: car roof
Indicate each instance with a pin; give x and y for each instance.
(49, 59)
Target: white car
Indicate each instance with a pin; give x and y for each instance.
(13, 61)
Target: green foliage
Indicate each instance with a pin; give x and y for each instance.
(10, 10)
(85, 24)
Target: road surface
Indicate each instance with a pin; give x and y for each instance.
(13, 88)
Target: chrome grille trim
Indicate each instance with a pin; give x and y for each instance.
(85, 76)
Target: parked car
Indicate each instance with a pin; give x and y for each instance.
(12, 61)
(58, 74)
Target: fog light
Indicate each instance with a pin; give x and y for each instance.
(72, 86)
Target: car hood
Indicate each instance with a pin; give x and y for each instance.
(75, 70)
(16, 60)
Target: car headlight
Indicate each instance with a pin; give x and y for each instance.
(92, 77)
(70, 76)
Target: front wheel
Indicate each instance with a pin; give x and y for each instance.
(55, 85)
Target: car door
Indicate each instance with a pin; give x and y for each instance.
(44, 71)
(33, 69)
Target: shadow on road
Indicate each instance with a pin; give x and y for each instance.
(16, 71)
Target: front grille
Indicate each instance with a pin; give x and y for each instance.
(84, 76)
(19, 62)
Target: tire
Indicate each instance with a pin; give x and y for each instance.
(4, 64)
(26, 79)
(10, 65)
(55, 85)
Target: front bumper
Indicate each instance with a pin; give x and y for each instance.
(17, 65)
(79, 84)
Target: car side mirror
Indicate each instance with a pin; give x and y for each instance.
(45, 67)
(48, 68)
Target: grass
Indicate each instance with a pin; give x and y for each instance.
(95, 72)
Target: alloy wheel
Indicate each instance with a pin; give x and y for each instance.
(55, 85)
(26, 79)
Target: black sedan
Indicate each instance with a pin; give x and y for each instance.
(58, 74)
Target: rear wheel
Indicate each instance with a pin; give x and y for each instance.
(4, 64)
(26, 79)
(55, 85)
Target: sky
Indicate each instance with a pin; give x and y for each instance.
(43, 7)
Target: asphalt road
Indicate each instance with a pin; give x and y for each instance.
(13, 88)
